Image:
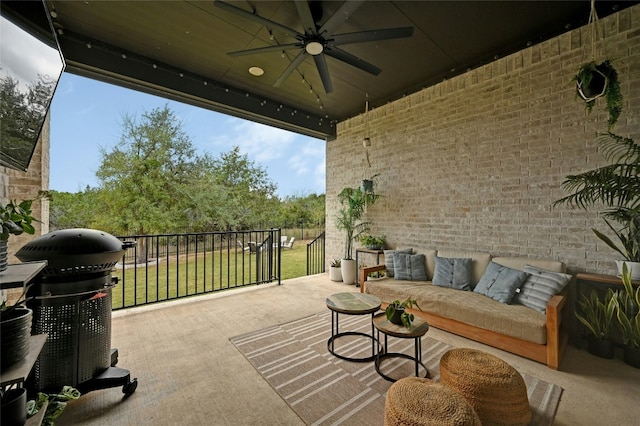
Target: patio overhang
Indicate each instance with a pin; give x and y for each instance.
(179, 50)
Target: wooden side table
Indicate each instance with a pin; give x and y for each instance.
(352, 304)
(418, 329)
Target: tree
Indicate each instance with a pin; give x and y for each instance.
(67, 210)
(249, 194)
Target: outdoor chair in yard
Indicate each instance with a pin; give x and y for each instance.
(289, 245)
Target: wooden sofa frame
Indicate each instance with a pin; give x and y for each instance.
(549, 354)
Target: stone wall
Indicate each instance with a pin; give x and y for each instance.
(476, 162)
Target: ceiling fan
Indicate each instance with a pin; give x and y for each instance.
(319, 41)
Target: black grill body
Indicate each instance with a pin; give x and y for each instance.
(71, 302)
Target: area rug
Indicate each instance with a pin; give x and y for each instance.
(325, 390)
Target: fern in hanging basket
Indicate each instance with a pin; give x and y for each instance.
(598, 80)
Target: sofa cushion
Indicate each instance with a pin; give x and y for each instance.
(478, 266)
(453, 272)
(409, 267)
(514, 320)
(388, 260)
(540, 286)
(500, 282)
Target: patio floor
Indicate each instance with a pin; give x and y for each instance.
(190, 374)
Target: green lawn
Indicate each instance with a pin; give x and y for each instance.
(174, 277)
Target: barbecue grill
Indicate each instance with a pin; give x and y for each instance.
(71, 302)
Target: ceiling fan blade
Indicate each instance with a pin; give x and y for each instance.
(275, 48)
(292, 66)
(338, 18)
(350, 59)
(373, 35)
(256, 18)
(308, 23)
(323, 70)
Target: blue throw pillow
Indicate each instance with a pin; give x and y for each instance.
(409, 267)
(453, 272)
(500, 282)
(389, 269)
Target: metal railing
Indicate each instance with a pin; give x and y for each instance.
(315, 255)
(171, 266)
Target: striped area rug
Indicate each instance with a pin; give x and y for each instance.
(325, 390)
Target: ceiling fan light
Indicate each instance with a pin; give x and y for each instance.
(314, 48)
(256, 71)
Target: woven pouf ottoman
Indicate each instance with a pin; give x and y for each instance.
(414, 401)
(494, 389)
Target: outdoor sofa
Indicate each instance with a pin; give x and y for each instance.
(526, 323)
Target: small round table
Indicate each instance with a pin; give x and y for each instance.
(352, 304)
(418, 329)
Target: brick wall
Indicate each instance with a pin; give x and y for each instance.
(18, 185)
(476, 161)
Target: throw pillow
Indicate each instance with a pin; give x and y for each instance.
(540, 286)
(500, 282)
(409, 267)
(453, 272)
(388, 260)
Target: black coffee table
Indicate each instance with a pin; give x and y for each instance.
(352, 304)
(418, 329)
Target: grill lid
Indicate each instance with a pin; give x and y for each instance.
(76, 250)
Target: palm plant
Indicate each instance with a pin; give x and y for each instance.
(353, 203)
(617, 186)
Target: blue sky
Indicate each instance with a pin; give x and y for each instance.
(87, 114)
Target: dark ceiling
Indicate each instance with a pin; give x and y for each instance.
(179, 49)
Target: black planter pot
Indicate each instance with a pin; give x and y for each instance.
(15, 330)
(632, 356)
(14, 407)
(397, 316)
(602, 348)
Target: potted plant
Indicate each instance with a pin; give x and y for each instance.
(334, 270)
(56, 403)
(597, 315)
(371, 242)
(15, 219)
(597, 80)
(353, 203)
(628, 314)
(396, 312)
(617, 186)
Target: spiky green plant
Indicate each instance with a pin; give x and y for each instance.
(628, 310)
(598, 314)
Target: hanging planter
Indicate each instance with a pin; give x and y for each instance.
(594, 81)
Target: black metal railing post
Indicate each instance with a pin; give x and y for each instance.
(316, 255)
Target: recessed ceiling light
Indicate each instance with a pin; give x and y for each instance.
(256, 71)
